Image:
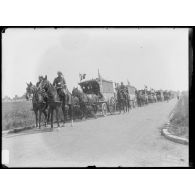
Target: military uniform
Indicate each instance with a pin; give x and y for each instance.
(60, 84)
(122, 87)
(39, 82)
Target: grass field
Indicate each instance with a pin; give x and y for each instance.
(180, 119)
(17, 114)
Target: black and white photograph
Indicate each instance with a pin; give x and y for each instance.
(77, 97)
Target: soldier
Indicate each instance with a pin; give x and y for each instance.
(122, 86)
(39, 82)
(60, 83)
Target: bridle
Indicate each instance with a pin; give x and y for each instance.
(29, 91)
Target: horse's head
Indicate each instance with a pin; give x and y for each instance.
(34, 92)
(29, 90)
(76, 92)
(50, 90)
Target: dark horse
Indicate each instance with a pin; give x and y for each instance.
(38, 103)
(87, 103)
(141, 100)
(123, 100)
(54, 101)
(166, 95)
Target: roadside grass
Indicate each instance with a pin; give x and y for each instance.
(179, 122)
(17, 114)
(20, 114)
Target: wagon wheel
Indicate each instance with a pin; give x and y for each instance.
(104, 109)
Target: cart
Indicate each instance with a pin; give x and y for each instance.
(104, 90)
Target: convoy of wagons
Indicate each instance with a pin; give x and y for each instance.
(96, 95)
(107, 101)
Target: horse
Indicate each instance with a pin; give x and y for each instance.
(150, 97)
(38, 103)
(87, 103)
(138, 96)
(76, 108)
(141, 98)
(122, 100)
(127, 99)
(159, 96)
(166, 96)
(54, 101)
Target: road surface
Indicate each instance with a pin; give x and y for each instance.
(127, 140)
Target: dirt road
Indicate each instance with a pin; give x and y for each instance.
(131, 139)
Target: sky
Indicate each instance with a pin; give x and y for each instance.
(156, 57)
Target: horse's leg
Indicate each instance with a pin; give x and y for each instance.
(51, 112)
(71, 113)
(36, 117)
(127, 106)
(45, 114)
(123, 108)
(57, 115)
(40, 112)
(48, 116)
(84, 110)
(64, 114)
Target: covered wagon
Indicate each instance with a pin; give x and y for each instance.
(104, 90)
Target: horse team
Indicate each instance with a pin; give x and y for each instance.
(47, 98)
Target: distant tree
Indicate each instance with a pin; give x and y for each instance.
(23, 96)
(16, 97)
(6, 98)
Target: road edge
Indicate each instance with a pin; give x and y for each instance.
(16, 130)
(174, 138)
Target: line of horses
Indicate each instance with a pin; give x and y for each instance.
(46, 99)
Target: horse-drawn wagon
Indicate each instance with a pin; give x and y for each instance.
(104, 90)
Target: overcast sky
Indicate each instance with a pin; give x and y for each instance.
(157, 58)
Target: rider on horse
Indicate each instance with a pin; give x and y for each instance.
(60, 84)
(40, 80)
(38, 85)
(123, 89)
(122, 86)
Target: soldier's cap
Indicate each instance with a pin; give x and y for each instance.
(59, 72)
